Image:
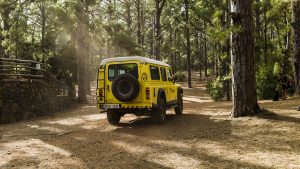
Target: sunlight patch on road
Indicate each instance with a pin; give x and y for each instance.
(36, 153)
(197, 99)
(87, 107)
(51, 129)
(69, 121)
(79, 120)
(246, 155)
(134, 149)
(166, 159)
(171, 160)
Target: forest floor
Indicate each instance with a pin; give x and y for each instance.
(203, 137)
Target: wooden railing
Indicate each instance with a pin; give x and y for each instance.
(15, 69)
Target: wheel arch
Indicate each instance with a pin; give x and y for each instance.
(180, 90)
(161, 94)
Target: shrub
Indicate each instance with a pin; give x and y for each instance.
(181, 77)
(276, 69)
(215, 89)
(266, 83)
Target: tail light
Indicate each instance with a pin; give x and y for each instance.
(147, 93)
(101, 95)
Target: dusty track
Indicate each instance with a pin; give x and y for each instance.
(204, 137)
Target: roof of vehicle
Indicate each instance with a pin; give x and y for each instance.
(133, 58)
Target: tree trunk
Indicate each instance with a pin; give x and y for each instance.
(171, 40)
(143, 23)
(152, 39)
(199, 53)
(188, 42)
(296, 31)
(243, 60)
(287, 47)
(159, 4)
(6, 26)
(43, 20)
(257, 30)
(205, 51)
(82, 54)
(139, 20)
(265, 34)
(128, 14)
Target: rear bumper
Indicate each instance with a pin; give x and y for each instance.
(128, 106)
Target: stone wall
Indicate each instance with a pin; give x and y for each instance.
(25, 99)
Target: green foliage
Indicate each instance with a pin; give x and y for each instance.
(276, 69)
(126, 42)
(215, 89)
(266, 83)
(181, 77)
(110, 29)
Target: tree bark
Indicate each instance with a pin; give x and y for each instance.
(287, 46)
(128, 14)
(43, 26)
(257, 30)
(296, 32)
(199, 53)
(6, 26)
(139, 20)
(82, 54)
(265, 33)
(205, 51)
(159, 4)
(243, 60)
(188, 42)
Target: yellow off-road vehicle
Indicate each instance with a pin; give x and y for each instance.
(137, 85)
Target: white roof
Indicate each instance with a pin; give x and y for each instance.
(133, 58)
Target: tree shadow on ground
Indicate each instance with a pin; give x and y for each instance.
(141, 143)
(271, 115)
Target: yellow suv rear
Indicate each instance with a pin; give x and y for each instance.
(137, 85)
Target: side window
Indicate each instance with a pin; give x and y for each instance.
(163, 74)
(154, 71)
(170, 75)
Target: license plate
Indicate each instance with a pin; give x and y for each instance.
(110, 106)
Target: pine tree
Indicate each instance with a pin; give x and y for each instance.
(243, 59)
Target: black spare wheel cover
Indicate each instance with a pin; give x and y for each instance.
(125, 87)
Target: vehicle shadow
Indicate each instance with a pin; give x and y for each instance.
(190, 126)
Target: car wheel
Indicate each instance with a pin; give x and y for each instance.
(179, 107)
(113, 117)
(160, 114)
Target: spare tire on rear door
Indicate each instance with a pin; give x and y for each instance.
(125, 87)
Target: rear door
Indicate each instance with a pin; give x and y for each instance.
(171, 86)
(115, 69)
(100, 85)
(164, 81)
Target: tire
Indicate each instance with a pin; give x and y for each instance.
(113, 117)
(179, 107)
(160, 113)
(125, 87)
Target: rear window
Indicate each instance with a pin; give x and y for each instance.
(118, 69)
(154, 73)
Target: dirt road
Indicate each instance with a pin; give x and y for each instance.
(203, 137)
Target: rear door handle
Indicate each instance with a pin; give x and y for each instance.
(108, 88)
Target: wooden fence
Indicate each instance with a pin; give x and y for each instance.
(16, 69)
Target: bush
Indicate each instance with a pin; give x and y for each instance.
(215, 89)
(181, 77)
(276, 69)
(266, 83)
